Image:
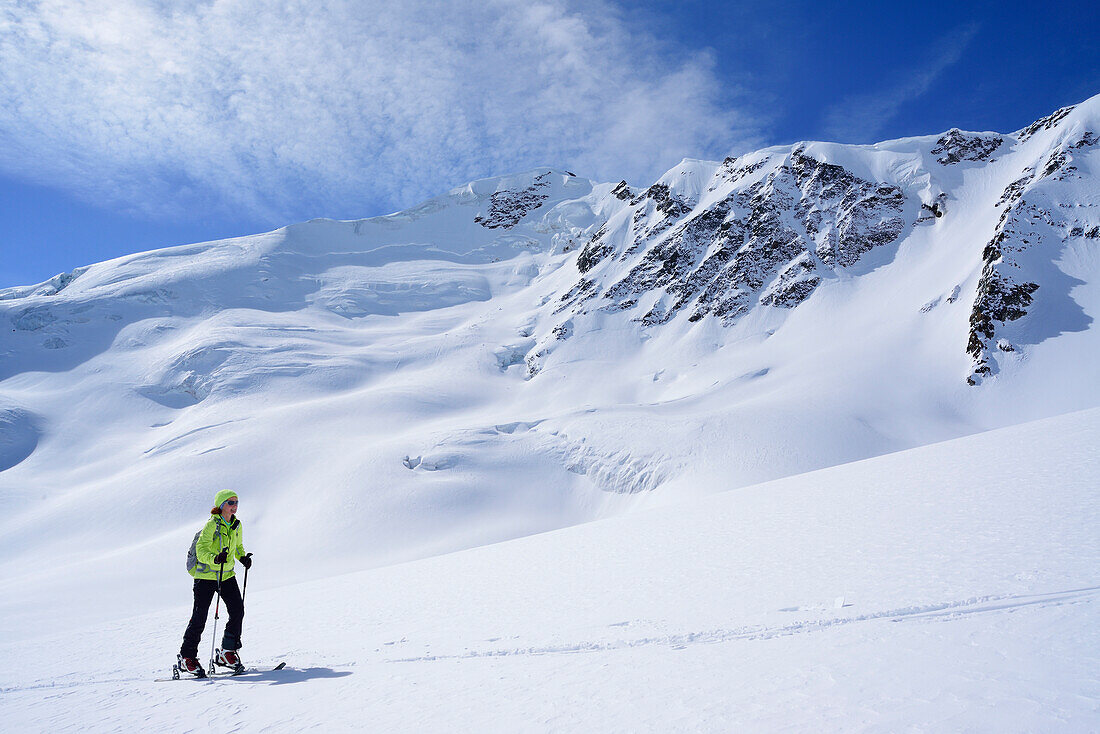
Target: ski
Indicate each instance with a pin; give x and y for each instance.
(220, 674)
(246, 671)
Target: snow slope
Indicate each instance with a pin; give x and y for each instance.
(481, 367)
(951, 587)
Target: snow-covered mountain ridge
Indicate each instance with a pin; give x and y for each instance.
(537, 350)
(768, 228)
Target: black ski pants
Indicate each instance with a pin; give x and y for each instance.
(204, 594)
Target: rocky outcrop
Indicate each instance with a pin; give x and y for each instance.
(845, 215)
(622, 191)
(506, 208)
(1001, 296)
(1018, 259)
(594, 251)
(956, 146)
(1044, 123)
(659, 208)
(766, 243)
(773, 226)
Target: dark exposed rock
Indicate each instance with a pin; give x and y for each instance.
(659, 314)
(674, 258)
(731, 171)
(775, 237)
(506, 208)
(657, 191)
(594, 251)
(846, 215)
(666, 203)
(563, 331)
(998, 300)
(1015, 190)
(535, 359)
(770, 242)
(1003, 295)
(765, 243)
(1087, 140)
(579, 293)
(534, 362)
(1057, 159)
(956, 146)
(745, 170)
(1012, 272)
(793, 293)
(794, 285)
(671, 207)
(622, 191)
(620, 306)
(1045, 123)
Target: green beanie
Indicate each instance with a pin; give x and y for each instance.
(222, 496)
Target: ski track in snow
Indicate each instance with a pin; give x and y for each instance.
(939, 612)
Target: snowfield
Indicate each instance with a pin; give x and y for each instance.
(952, 587)
(803, 440)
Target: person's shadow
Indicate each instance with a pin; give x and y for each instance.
(289, 675)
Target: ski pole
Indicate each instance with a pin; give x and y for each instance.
(217, 608)
(245, 589)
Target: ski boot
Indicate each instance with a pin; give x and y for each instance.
(229, 659)
(190, 666)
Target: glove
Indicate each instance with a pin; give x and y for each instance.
(247, 560)
(221, 557)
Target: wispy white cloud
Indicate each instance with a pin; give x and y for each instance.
(860, 118)
(279, 109)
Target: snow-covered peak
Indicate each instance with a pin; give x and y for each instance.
(531, 351)
(688, 179)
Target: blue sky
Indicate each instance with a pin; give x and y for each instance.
(136, 125)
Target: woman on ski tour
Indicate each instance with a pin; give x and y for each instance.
(214, 552)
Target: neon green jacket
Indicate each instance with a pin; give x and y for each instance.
(209, 542)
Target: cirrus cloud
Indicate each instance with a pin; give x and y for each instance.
(859, 118)
(279, 110)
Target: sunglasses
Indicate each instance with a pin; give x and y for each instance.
(231, 502)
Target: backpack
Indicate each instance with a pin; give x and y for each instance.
(192, 554)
